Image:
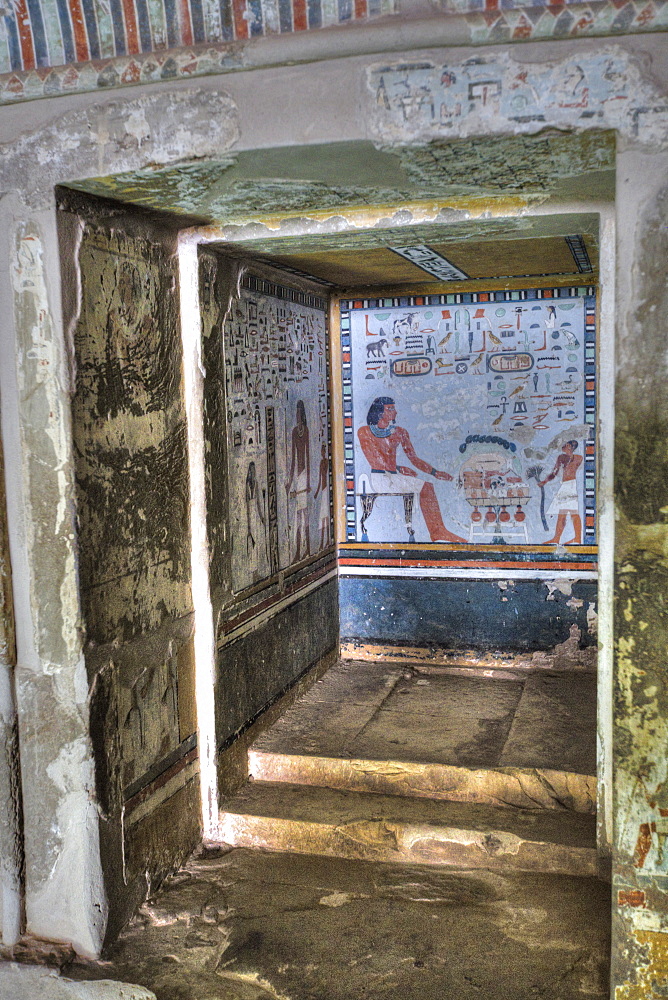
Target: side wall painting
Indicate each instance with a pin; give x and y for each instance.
(276, 431)
(269, 489)
(470, 424)
(274, 345)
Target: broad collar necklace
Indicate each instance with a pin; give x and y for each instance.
(380, 432)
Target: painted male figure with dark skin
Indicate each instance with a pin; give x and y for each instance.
(380, 440)
(301, 463)
(322, 489)
(565, 500)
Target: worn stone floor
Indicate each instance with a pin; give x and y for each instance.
(464, 717)
(246, 925)
(408, 834)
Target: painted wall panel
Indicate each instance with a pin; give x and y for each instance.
(470, 420)
(155, 45)
(268, 481)
(469, 453)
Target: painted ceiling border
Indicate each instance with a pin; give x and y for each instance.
(33, 78)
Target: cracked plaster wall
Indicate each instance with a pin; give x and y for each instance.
(66, 898)
(132, 495)
(641, 491)
(291, 106)
(11, 839)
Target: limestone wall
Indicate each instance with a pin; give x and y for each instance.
(132, 498)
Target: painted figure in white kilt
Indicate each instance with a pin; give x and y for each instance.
(323, 489)
(565, 501)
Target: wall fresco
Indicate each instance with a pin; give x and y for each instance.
(272, 564)
(277, 430)
(470, 421)
(421, 100)
(45, 33)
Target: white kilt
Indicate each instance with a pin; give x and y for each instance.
(566, 498)
(395, 482)
(301, 492)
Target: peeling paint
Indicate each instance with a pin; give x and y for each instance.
(121, 136)
(604, 89)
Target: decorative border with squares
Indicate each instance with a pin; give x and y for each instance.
(469, 557)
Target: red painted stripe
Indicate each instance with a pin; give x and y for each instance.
(186, 23)
(360, 9)
(25, 35)
(79, 29)
(461, 564)
(299, 16)
(131, 32)
(240, 24)
(161, 780)
(267, 603)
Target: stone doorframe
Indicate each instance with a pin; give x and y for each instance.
(69, 139)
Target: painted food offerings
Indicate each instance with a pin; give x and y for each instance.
(471, 419)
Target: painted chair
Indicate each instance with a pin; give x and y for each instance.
(368, 499)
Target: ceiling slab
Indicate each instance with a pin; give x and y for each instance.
(295, 181)
(367, 260)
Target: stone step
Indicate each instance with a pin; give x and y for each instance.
(277, 816)
(523, 788)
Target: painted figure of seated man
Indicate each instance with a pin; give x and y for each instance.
(380, 439)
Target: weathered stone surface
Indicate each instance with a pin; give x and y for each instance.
(129, 428)
(555, 722)
(311, 928)
(449, 718)
(27, 982)
(528, 788)
(640, 726)
(281, 817)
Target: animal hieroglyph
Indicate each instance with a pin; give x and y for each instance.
(374, 349)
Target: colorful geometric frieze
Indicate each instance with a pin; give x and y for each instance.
(470, 429)
(46, 33)
(49, 48)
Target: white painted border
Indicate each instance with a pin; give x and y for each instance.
(263, 616)
(205, 646)
(466, 574)
(605, 531)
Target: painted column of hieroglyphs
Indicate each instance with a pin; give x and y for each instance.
(470, 424)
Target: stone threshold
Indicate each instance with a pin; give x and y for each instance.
(506, 787)
(436, 660)
(275, 816)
